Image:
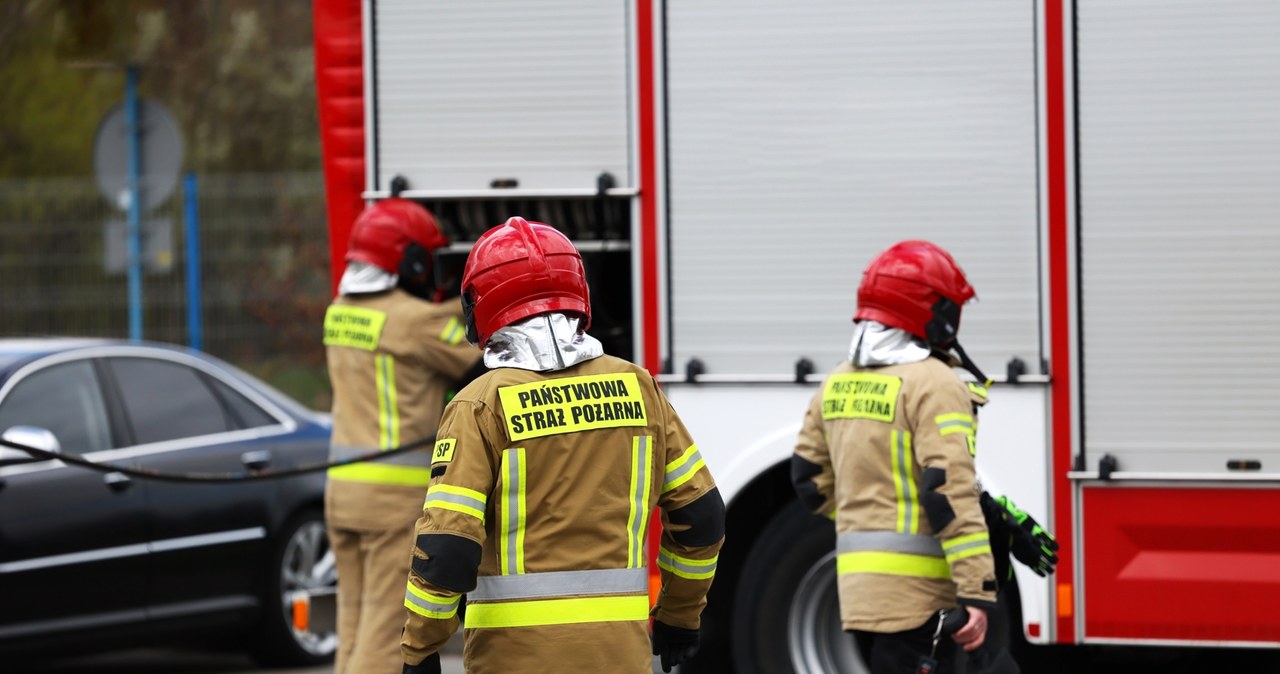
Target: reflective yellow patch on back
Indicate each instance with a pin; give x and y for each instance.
(444, 451)
(353, 326)
(572, 404)
(861, 395)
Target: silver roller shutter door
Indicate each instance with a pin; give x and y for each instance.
(468, 92)
(1180, 232)
(805, 136)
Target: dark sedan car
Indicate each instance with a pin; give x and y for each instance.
(92, 560)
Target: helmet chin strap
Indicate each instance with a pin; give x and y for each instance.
(968, 364)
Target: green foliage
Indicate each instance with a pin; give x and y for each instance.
(237, 74)
(238, 77)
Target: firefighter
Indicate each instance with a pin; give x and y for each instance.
(396, 345)
(886, 449)
(545, 473)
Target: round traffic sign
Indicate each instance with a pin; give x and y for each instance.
(160, 153)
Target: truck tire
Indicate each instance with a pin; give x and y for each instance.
(787, 615)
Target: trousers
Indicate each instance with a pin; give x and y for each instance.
(901, 652)
(373, 568)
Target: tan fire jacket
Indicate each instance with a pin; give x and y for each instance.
(888, 451)
(392, 358)
(545, 484)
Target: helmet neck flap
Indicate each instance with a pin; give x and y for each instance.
(399, 237)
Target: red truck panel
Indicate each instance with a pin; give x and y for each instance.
(1181, 563)
(340, 96)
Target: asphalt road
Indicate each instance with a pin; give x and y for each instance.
(167, 661)
(1070, 661)
(182, 662)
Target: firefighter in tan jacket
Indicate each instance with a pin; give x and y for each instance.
(393, 354)
(886, 449)
(545, 473)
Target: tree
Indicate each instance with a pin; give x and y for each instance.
(237, 74)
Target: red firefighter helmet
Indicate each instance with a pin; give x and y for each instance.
(918, 287)
(520, 269)
(384, 231)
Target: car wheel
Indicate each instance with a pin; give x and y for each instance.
(788, 615)
(295, 631)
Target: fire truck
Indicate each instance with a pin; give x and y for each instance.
(1106, 171)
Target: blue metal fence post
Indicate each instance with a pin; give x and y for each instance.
(135, 202)
(191, 210)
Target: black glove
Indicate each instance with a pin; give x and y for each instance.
(1029, 542)
(429, 665)
(674, 645)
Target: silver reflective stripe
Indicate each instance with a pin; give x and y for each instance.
(968, 425)
(437, 496)
(981, 543)
(694, 463)
(511, 560)
(445, 607)
(680, 568)
(416, 458)
(640, 478)
(389, 414)
(560, 584)
(889, 541)
(906, 480)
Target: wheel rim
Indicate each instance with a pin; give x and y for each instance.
(815, 636)
(308, 567)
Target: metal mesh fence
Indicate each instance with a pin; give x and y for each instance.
(263, 267)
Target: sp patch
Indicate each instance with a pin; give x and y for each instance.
(443, 453)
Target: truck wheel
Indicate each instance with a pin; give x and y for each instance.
(787, 616)
(302, 567)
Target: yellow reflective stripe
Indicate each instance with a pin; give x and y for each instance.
(557, 611)
(453, 331)
(388, 412)
(437, 607)
(949, 424)
(891, 563)
(954, 419)
(904, 483)
(641, 482)
(686, 567)
(381, 473)
(682, 469)
(966, 546)
(511, 524)
(457, 499)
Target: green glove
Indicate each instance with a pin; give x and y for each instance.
(1031, 545)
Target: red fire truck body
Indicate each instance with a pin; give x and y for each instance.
(1105, 172)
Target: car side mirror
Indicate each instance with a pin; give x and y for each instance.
(31, 436)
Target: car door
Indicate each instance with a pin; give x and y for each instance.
(73, 541)
(208, 539)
